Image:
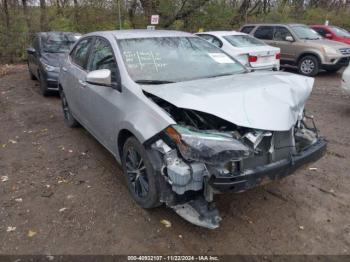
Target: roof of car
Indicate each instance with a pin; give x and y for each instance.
(323, 26)
(222, 33)
(58, 33)
(274, 24)
(142, 33)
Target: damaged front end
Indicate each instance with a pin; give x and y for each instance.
(203, 155)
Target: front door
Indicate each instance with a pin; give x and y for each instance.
(104, 102)
(288, 49)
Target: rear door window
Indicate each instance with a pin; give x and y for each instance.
(264, 32)
(212, 39)
(79, 55)
(247, 29)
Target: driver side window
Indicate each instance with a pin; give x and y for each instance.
(102, 57)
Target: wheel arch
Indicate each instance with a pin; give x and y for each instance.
(309, 53)
(123, 135)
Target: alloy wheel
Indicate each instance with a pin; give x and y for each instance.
(307, 66)
(137, 174)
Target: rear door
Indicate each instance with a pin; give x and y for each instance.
(75, 72)
(288, 48)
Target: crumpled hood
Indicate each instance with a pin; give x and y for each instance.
(261, 100)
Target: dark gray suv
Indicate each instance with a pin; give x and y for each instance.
(302, 46)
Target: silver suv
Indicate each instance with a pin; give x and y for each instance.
(302, 46)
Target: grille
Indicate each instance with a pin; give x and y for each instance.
(344, 61)
(345, 51)
(284, 146)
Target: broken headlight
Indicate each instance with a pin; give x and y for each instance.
(210, 147)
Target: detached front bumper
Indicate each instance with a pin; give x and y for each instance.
(270, 172)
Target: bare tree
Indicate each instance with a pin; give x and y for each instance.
(76, 11)
(26, 14)
(187, 8)
(43, 15)
(132, 11)
(7, 15)
(247, 8)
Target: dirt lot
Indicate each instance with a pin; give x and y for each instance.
(65, 194)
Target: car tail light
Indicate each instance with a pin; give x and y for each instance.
(253, 59)
(278, 56)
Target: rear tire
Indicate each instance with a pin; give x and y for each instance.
(139, 174)
(309, 65)
(31, 75)
(68, 117)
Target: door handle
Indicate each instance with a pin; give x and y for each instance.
(64, 69)
(82, 83)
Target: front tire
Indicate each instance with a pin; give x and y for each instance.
(309, 65)
(139, 173)
(43, 85)
(68, 117)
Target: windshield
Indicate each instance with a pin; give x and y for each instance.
(340, 31)
(175, 59)
(57, 42)
(243, 41)
(304, 32)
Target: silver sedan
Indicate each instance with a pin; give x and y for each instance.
(186, 120)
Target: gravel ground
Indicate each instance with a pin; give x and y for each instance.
(65, 194)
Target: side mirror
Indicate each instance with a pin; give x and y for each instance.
(100, 77)
(329, 36)
(31, 51)
(289, 38)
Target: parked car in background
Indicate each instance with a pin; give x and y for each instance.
(45, 55)
(346, 80)
(334, 33)
(251, 52)
(184, 119)
(302, 46)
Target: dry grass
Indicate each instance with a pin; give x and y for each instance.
(7, 69)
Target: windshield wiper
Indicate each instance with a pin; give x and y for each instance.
(153, 82)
